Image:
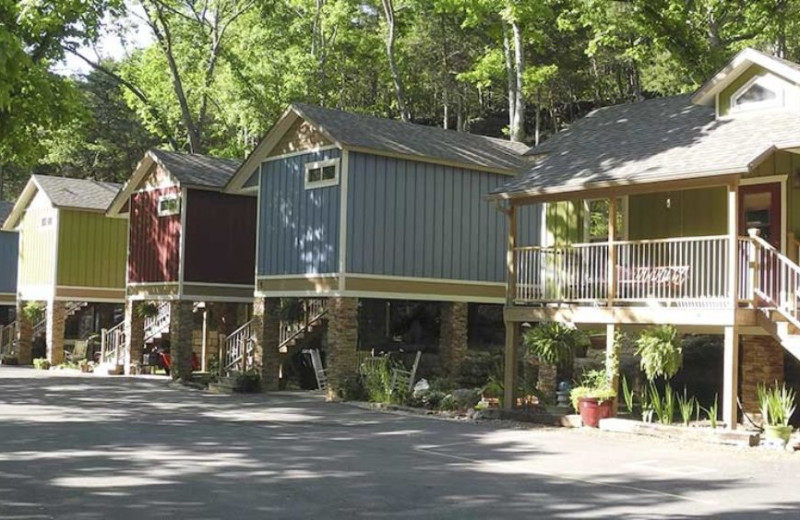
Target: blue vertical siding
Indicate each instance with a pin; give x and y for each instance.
(9, 243)
(298, 228)
(409, 218)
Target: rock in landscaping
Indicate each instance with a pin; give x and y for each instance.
(466, 398)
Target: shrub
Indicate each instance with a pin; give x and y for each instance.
(448, 403)
(41, 364)
(147, 310)
(477, 367)
(33, 312)
(378, 379)
(249, 382)
(777, 405)
(661, 352)
(554, 343)
(352, 389)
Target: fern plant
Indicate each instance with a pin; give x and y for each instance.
(554, 343)
(660, 351)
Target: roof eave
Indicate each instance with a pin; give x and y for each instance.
(24, 199)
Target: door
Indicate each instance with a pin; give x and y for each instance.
(760, 207)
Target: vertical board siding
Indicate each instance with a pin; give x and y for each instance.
(154, 241)
(414, 219)
(37, 245)
(698, 212)
(9, 244)
(92, 250)
(298, 228)
(220, 238)
(785, 163)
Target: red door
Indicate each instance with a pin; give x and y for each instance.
(760, 208)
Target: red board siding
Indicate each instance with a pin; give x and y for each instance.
(220, 238)
(154, 241)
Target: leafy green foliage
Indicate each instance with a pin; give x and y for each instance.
(33, 312)
(554, 343)
(686, 406)
(594, 384)
(661, 352)
(41, 364)
(777, 404)
(628, 395)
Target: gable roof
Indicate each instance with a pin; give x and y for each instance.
(372, 134)
(64, 193)
(705, 95)
(652, 141)
(190, 170)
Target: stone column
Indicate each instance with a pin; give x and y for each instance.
(24, 336)
(180, 339)
(266, 327)
(56, 316)
(762, 363)
(453, 336)
(134, 334)
(342, 342)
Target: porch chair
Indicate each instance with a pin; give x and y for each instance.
(405, 378)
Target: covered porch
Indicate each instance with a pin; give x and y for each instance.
(731, 283)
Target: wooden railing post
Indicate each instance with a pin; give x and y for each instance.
(612, 251)
(222, 354)
(103, 346)
(511, 256)
(753, 266)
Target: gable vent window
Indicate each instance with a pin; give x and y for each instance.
(169, 205)
(758, 93)
(46, 222)
(322, 173)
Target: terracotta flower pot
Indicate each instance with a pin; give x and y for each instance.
(593, 409)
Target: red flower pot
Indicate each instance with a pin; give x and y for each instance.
(593, 409)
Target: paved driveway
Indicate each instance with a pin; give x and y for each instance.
(86, 447)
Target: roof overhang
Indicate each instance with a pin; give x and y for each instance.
(24, 199)
(605, 189)
(706, 94)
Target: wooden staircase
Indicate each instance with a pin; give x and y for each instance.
(238, 350)
(8, 339)
(158, 325)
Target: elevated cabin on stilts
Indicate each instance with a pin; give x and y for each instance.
(9, 242)
(71, 262)
(191, 258)
(358, 214)
(682, 210)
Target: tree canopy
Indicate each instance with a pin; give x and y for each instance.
(218, 73)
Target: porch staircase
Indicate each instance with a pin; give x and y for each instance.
(112, 345)
(239, 347)
(71, 308)
(157, 325)
(772, 285)
(8, 338)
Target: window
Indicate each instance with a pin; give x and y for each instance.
(169, 205)
(595, 223)
(322, 173)
(46, 222)
(758, 93)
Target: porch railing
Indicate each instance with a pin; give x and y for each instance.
(690, 271)
(773, 280)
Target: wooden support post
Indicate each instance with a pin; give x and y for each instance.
(752, 266)
(204, 343)
(511, 257)
(510, 368)
(612, 363)
(612, 251)
(733, 246)
(730, 377)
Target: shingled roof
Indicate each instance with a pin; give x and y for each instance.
(65, 192)
(397, 137)
(655, 140)
(197, 170)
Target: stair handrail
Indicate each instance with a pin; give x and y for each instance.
(237, 348)
(8, 337)
(313, 310)
(156, 324)
(780, 284)
(112, 344)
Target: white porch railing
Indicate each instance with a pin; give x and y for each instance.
(112, 344)
(238, 349)
(159, 323)
(691, 271)
(773, 280)
(8, 338)
(313, 310)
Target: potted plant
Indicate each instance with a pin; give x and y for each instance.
(554, 345)
(777, 406)
(593, 398)
(147, 310)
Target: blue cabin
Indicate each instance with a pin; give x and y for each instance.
(9, 242)
(361, 211)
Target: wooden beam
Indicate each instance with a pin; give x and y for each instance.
(730, 377)
(611, 271)
(510, 365)
(612, 363)
(733, 244)
(511, 257)
(719, 317)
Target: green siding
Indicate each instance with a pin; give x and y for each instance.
(784, 163)
(699, 212)
(565, 222)
(92, 250)
(747, 75)
(37, 246)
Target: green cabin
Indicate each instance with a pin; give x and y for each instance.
(70, 256)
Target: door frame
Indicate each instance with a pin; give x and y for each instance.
(772, 179)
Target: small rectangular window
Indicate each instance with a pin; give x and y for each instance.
(322, 173)
(169, 205)
(46, 222)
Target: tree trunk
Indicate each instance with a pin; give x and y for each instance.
(512, 82)
(518, 126)
(391, 26)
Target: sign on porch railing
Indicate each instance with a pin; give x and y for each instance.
(675, 270)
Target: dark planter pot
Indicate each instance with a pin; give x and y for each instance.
(592, 410)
